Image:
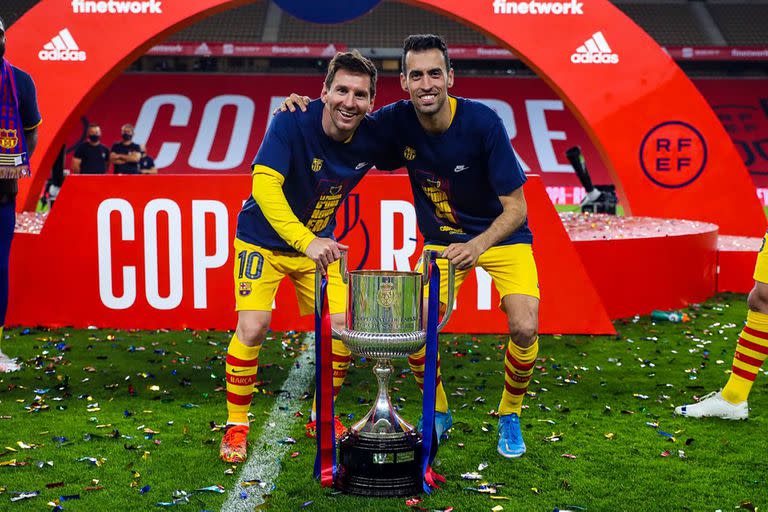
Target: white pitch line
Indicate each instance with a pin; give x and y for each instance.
(263, 462)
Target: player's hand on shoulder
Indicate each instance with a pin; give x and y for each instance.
(324, 251)
(463, 255)
(292, 102)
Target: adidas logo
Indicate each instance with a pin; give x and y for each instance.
(595, 50)
(62, 47)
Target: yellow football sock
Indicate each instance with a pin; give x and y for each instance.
(518, 366)
(416, 362)
(242, 366)
(751, 351)
(340, 361)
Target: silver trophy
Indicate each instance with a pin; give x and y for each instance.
(380, 454)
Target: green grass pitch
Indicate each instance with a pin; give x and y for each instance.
(123, 420)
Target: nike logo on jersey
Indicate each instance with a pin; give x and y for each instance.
(360, 165)
(460, 168)
(239, 371)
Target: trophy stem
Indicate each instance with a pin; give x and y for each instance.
(382, 418)
(383, 370)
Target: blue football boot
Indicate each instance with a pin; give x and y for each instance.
(511, 443)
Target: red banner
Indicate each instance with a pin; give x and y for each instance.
(155, 251)
(206, 49)
(718, 53)
(215, 123)
(202, 48)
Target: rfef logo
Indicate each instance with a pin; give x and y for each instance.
(673, 154)
(116, 7)
(595, 50)
(536, 7)
(62, 47)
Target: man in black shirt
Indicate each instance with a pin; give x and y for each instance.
(91, 156)
(125, 153)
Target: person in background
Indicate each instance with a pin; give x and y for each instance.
(125, 154)
(146, 162)
(91, 156)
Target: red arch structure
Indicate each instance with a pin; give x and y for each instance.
(666, 149)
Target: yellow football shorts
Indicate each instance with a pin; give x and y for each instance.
(259, 271)
(761, 267)
(511, 267)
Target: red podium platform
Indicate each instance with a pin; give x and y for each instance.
(639, 264)
(736, 258)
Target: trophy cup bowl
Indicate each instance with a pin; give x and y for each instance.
(380, 454)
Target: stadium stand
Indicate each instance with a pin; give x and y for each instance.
(240, 25)
(668, 23)
(11, 10)
(741, 23)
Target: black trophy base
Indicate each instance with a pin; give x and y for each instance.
(375, 467)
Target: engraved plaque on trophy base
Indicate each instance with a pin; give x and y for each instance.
(372, 466)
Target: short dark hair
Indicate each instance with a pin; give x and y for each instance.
(423, 42)
(94, 125)
(354, 62)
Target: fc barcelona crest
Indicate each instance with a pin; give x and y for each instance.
(245, 289)
(317, 164)
(9, 139)
(409, 153)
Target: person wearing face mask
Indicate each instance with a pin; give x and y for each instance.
(125, 153)
(18, 139)
(91, 156)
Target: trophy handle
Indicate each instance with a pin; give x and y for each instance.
(429, 256)
(343, 266)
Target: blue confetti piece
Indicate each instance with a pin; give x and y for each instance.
(243, 495)
(144, 489)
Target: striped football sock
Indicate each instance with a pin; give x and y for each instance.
(341, 359)
(242, 365)
(518, 369)
(416, 362)
(751, 351)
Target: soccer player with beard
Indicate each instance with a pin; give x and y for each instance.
(18, 139)
(467, 188)
(305, 168)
